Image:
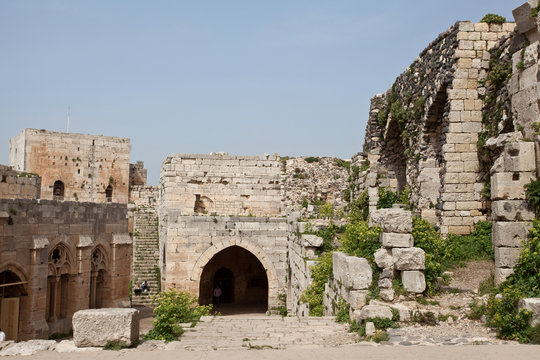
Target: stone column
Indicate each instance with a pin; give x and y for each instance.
(35, 303)
(515, 168)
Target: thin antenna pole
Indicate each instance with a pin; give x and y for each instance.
(69, 110)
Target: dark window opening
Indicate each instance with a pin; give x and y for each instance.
(58, 190)
(108, 193)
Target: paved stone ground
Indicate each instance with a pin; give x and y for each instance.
(263, 332)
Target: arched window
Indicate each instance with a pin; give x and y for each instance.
(58, 190)
(97, 279)
(108, 193)
(58, 283)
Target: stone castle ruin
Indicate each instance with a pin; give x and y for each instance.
(458, 130)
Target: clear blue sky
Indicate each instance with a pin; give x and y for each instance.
(245, 77)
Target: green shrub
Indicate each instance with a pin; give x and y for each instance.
(326, 211)
(387, 198)
(477, 310)
(311, 159)
(320, 274)
(532, 192)
(342, 315)
(425, 318)
(359, 208)
(361, 240)
(342, 163)
(493, 19)
(171, 308)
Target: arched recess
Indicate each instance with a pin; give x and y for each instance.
(98, 277)
(394, 153)
(256, 251)
(109, 193)
(13, 286)
(58, 190)
(59, 269)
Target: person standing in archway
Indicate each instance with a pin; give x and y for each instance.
(217, 295)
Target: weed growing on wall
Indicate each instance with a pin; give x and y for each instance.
(493, 19)
(320, 274)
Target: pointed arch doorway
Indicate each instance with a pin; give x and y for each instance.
(242, 278)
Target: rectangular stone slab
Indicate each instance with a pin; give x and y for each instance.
(96, 327)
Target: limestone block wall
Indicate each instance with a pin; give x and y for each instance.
(463, 180)
(18, 185)
(301, 258)
(85, 164)
(193, 241)
(222, 185)
(144, 196)
(68, 256)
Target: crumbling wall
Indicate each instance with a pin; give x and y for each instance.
(302, 256)
(18, 185)
(314, 180)
(424, 131)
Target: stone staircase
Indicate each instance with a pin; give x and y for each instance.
(263, 332)
(145, 253)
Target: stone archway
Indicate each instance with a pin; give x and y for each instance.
(12, 290)
(255, 281)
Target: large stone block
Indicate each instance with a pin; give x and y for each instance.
(311, 240)
(506, 257)
(519, 157)
(96, 327)
(357, 298)
(392, 220)
(383, 258)
(510, 234)
(353, 272)
(501, 274)
(510, 186)
(522, 15)
(511, 210)
(413, 281)
(531, 304)
(395, 240)
(409, 258)
(374, 311)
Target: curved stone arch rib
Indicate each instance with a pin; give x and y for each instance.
(257, 251)
(66, 266)
(14, 268)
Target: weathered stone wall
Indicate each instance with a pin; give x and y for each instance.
(316, 180)
(18, 185)
(192, 241)
(302, 256)
(69, 256)
(144, 196)
(85, 164)
(222, 185)
(424, 131)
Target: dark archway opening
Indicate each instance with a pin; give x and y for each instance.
(58, 190)
(241, 277)
(12, 289)
(224, 278)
